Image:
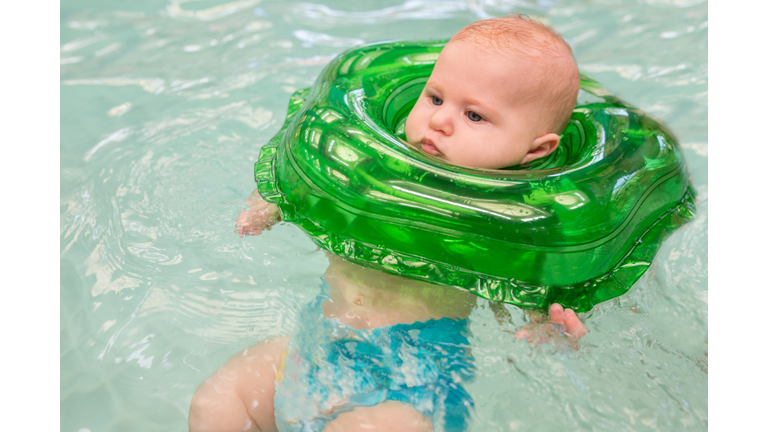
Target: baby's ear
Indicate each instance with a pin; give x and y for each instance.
(542, 146)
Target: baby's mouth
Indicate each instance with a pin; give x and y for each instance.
(429, 147)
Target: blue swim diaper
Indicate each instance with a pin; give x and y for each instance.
(330, 368)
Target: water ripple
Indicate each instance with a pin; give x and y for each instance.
(311, 38)
(412, 10)
(212, 13)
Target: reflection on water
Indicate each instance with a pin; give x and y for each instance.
(164, 106)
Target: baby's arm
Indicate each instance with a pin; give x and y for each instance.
(260, 216)
(561, 324)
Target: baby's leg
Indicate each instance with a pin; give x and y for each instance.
(239, 396)
(384, 417)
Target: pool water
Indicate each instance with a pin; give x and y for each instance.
(164, 106)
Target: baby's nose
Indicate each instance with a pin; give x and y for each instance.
(441, 121)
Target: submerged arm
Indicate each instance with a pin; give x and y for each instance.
(561, 324)
(260, 216)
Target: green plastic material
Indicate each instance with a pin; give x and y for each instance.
(577, 228)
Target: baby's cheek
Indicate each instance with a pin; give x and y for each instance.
(409, 132)
(415, 119)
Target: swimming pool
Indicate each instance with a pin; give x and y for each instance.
(164, 106)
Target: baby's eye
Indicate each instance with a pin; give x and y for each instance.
(473, 116)
(437, 101)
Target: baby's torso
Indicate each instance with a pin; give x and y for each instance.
(367, 339)
(366, 299)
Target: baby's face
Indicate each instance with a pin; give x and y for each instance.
(477, 110)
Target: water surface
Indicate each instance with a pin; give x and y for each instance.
(164, 106)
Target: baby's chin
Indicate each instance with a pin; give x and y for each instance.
(419, 145)
(478, 165)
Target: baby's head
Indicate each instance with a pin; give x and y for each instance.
(500, 94)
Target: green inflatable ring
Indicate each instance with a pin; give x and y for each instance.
(577, 228)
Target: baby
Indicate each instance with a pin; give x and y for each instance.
(379, 352)
(500, 94)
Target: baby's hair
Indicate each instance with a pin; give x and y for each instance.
(549, 54)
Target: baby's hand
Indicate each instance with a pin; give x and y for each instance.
(259, 217)
(561, 325)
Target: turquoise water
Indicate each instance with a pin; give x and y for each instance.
(164, 106)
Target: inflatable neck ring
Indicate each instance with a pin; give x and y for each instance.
(578, 227)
